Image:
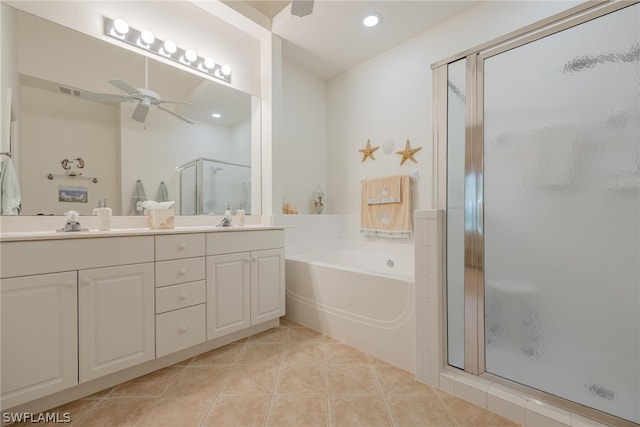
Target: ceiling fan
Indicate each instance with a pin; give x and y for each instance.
(144, 97)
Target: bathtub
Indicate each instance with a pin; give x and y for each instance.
(360, 298)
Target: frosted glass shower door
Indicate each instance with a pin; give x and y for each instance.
(562, 213)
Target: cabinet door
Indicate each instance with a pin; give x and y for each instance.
(228, 288)
(39, 336)
(267, 285)
(116, 318)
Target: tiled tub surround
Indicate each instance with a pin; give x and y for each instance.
(286, 376)
(431, 365)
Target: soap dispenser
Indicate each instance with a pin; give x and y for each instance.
(104, 215)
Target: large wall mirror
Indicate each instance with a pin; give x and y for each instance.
(77, 140)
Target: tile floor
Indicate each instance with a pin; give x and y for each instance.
(286, 376)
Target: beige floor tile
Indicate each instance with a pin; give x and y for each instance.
(469, 415)
(396, 380)
(418, 410)
(338, 353)
(302, 334)
(351, 379)
(117, 411)
(358, 410)
(199, 381)
(273, 335)
(257, 353)
(301, 379)
(250, 380)
(227, 355)
(176, 412)
(184, 362)
(150, 385)
(300, 411)
(303, 352)
(101, 394)
(238, 412)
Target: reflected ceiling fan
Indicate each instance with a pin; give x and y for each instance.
(144, 97)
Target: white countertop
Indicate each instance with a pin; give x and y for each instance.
(15, 236)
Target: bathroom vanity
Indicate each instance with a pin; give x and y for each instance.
(83, 311)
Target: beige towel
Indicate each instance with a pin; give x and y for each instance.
(384, 190)
(391, 220)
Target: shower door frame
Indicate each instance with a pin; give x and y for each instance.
(474, 303)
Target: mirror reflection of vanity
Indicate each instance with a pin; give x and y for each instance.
(72, 149)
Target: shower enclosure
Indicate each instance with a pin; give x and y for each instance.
(543, 210)
(209, 186)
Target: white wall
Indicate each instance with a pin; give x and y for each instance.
(388, 98)
(300, 158)
(8, 75)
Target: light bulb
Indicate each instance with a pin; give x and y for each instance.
(371, 20)
(147, 37)
(121, 27)
(225, 70)
(169, 48)
(208, 63)
(190, 56)
(216, 115)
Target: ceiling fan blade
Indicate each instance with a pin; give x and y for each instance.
(301, 7)
(174, 114)
(124, 86)
(105, 97)
(140, 113)
(164, 101)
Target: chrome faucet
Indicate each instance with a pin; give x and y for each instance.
(72, 223)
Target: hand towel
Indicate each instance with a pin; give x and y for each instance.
(10, 197)
(384, 190)
(163, 193)
(392, 220)
(138, 197)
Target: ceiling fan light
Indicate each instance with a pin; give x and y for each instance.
(225, 70)
(120, 27)
(371, 20)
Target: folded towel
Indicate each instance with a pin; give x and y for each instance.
(384, 190)
(391, 220)
(138, 197)
(163, 193)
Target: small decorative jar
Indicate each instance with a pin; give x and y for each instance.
(318, 200)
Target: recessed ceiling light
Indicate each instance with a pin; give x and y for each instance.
(216, 115)
(372, 20)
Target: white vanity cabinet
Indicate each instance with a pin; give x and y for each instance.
(245, 279)
(180, 292)
(115, 318)
(39, 336)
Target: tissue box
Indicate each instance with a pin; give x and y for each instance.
(161, 218)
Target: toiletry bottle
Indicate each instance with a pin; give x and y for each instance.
(227, 212)
(240, 217)
(104, 215)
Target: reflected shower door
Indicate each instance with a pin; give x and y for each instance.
(562, 213)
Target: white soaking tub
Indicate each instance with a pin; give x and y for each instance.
(361, 298)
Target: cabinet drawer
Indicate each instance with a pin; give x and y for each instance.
(224, 242)
(179, 296)
(180, 329)
(50, 256)
(179, 246)
(179, 271)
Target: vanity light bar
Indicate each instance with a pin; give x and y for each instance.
(120, 30)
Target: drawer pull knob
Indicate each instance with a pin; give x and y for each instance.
(182, 329)
(182, 246)
(183, 296)
(182, 272)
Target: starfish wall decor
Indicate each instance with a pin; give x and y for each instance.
(368, 151)
(408, 153)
